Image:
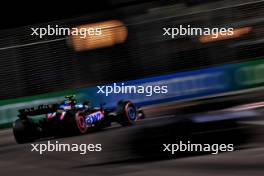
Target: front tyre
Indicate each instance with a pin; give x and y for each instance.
(127, 113)
(74, 123)
(80, 123)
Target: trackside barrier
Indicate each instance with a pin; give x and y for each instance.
(180, 86)
(187, 85)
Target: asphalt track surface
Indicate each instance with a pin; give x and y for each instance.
(136, 150)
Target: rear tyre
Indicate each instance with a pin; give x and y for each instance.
(24, 131)
(127, 113)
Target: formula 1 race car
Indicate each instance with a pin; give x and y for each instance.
(71, 118)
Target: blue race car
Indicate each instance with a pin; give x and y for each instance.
(71, 118)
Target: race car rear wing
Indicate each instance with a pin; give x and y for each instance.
(41, 109)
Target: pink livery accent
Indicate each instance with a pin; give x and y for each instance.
(62, 115)
(51, 115)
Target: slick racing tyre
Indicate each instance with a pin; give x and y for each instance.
(127, 113)
(24, 131)
(80, 123)
(74, 123)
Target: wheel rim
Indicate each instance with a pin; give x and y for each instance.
(131, 112)
(81, 123)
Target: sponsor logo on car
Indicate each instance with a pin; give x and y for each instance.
(94, 117)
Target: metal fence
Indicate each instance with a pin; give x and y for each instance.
(31, 66)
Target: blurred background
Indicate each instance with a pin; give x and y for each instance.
(202, 76)
(32, 67)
